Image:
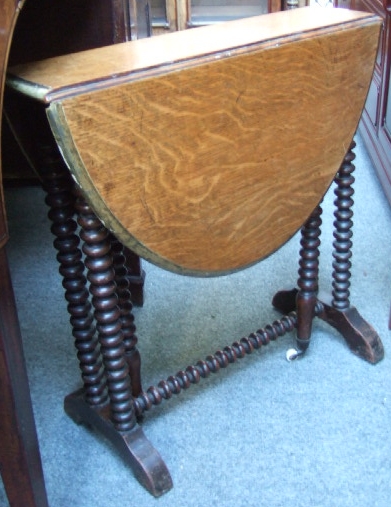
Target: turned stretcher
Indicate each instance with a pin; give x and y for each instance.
(204, 151)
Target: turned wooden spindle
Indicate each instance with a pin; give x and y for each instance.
(308, 278)
(174, 384)
(343, 233)
(101, 275)
(59, 187)
(127, 319)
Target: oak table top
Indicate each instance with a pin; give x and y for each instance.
(206, 150)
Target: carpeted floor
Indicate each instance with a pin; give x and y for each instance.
(315, 432)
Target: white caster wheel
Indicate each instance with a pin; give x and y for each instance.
(292, 354)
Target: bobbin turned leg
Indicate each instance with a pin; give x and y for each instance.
(105, 401)
(59, 187)
(120, 262)
(360, 336)
(116, 418)
(306, 296)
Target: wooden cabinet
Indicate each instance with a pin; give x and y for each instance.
(175, 15)
(46, 28)
(181, 14)
(375, 125)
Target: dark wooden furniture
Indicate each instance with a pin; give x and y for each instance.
(45, 29)
(20, 461)
(375, 126)
(214, 160)
(175, 15)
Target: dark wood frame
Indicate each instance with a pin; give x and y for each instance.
(20, 459)
(115, 412)
(112, 399)
(373, 128)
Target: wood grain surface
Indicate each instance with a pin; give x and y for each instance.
(206, 168)
(53, 78)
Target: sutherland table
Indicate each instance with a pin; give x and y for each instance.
(203, 151)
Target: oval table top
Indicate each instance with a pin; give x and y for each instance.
(206, 158)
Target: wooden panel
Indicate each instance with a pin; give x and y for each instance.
(373, 6)
(372, 103)
(46, 28)
(108, 65)
(210, 164)
(374, 134)
(20, 461)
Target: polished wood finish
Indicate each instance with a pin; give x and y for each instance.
(336, 310)
(201, 151)
(93, 266)
(210, 170)
(55, 78)
(46, 29)
(20, 461)
(375, 126)
(136, 450)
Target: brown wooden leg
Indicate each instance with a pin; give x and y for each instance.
(59, 187)
(127, 319)
(343, 224)
(361, 338)
(105, 402)
(20, 461)
(107, 314)
(308, 279)
(115, 419)
(146, 463)
(304, 300)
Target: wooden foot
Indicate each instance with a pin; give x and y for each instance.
(360, 336)
(146, 463)
(285, 301)
(136, 277)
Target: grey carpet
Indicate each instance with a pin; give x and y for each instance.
(265, 432)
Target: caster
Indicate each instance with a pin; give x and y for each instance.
(293, 354)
